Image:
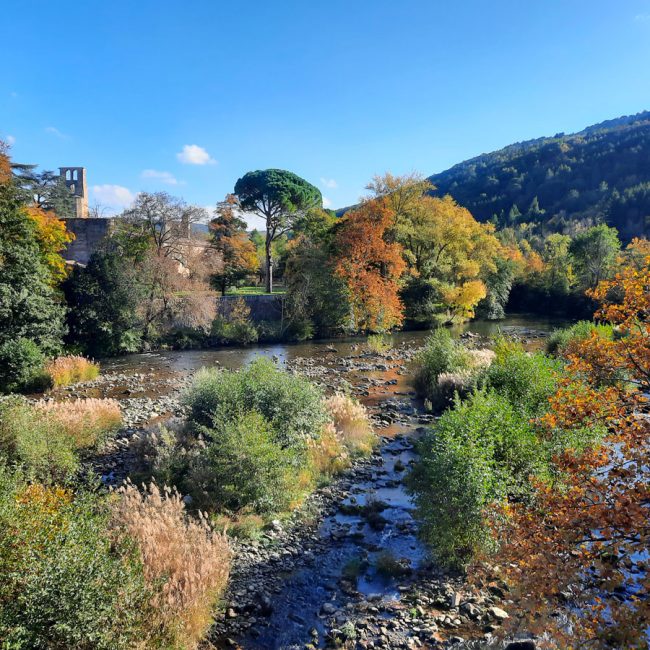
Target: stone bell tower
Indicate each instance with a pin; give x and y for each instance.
(75, 180)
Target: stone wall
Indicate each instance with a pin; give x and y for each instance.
(263, 307)
(89, 233)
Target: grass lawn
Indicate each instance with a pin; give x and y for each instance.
(254, 291)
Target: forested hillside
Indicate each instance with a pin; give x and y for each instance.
(562, 182)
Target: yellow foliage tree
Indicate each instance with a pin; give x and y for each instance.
(53, 237)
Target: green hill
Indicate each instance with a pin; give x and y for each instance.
(601, 173)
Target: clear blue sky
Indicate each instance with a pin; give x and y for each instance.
(334, 90)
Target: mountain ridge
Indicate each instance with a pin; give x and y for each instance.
(562, 182)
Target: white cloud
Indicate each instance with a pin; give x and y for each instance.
(642, 18)
(10, 140)
(113, 196)
(328, 182)
(326, 202)
(52, 130)
(192, 154)
(165, 177)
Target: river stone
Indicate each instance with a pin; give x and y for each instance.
(498, 613)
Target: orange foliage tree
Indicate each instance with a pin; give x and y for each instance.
(585, 539)
(370, 266)
(229, 239)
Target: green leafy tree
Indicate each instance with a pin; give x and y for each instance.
(104, 299)
(45, 189)
(317, 300)
(29, 307)
(280, 198)
(594, 252)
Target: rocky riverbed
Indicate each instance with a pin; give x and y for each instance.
(347, 569)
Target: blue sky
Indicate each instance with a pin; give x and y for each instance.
(188, 96)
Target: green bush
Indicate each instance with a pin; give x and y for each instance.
(481, 451)
(441, 354)
(378, 343)
(225, 331)
(65, 584)
(242, 468)
(22, 366)
(35, 441)
(580, 331)
(292, 405)
(527, 380)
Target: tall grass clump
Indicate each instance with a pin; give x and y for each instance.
(71, 370)
(560, 339)
(445, 366)
(378, 343)
(65, 583)
(185, 563)
(86, 421)
(351, 423)
(38, 443)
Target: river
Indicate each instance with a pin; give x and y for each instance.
(354, 565)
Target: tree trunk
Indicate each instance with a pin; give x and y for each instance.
(269, 265)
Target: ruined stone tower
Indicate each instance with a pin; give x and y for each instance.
(75, 179)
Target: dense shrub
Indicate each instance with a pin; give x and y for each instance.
(526, 379)
(21, 366)
(446, 367)
(65, 583)
(37, 442)
(480, 451)
(86, 422)
(71, 370)
(291, 404)
(243, 468)
(560, 338)
(185, 563)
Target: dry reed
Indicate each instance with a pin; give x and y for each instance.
(86, 421)
(185, 561)
(71, 370)
(351, 423)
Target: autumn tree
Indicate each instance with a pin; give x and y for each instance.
(280, 198)
(53, 237)
(449, 254)
(238, 255)
(583, 541)
(370, 266)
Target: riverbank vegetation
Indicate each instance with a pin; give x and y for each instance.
(402, 257)
(257, 440)
(83, 567)
(539, 475)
